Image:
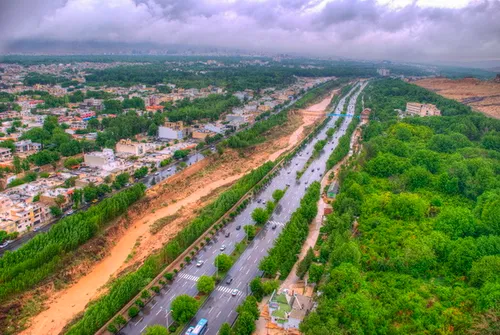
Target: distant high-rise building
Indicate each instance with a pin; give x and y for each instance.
(384, 72)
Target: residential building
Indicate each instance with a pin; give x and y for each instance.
(99, 159)
(418, 109)
(384, 72)
(288, 309)
(173, 131)
(27, 145)
(5, 154)
(22, 216)
(201, 134)
(50, 197)
(365, 115)
(128, 147)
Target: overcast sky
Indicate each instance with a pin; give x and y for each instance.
(367, 29)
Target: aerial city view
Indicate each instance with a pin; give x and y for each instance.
(238, 167)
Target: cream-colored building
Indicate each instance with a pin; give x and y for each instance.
(129, 147)
(418, 109)
(5, 154)
(22, 216)
(99, 159)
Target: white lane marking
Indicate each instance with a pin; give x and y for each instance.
(218, 314)
(249, 269)
(143, 328)
(154, 304)
(225, 289)
(139, 321)
(210, 311)
(188, 277)
(255, 261)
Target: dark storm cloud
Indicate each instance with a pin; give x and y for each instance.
(349, 28)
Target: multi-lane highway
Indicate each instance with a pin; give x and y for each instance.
(221, 305)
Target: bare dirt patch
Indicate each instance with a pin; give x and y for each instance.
(483, 96)
(183, 195)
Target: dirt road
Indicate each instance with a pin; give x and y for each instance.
(184, 193)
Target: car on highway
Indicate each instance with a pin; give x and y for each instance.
(188, 332)
(223, 247)
(234, 292)
(200, 263)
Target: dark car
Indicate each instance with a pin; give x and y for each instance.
(229, 280)
(238, 227)
(227, 234)
(274, 226)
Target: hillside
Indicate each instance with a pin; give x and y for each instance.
(481, 95)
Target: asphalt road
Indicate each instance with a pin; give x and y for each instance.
(221, 306)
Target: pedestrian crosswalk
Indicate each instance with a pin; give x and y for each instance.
(226, 289)
(276, 223)
(188, 277)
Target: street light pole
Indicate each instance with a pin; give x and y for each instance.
(166, 316)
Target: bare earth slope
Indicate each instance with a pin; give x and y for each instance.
(483, 96)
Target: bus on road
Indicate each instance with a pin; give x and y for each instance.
(200, 329)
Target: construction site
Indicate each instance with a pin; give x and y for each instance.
(481, 95)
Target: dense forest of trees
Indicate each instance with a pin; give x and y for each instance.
(413, 245)
(45, 253)
(126, 287)
(234, 79)
(209, 108)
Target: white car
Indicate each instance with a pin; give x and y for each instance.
(223, 247)
(200, 263)
(234, 292)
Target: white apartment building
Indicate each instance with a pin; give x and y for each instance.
(99, 159)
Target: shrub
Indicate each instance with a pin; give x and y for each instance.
(133, 312)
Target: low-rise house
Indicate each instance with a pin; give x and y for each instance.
(27, 145)
(418, 109)
(289, 309)
(5, 154)
(201, 134)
